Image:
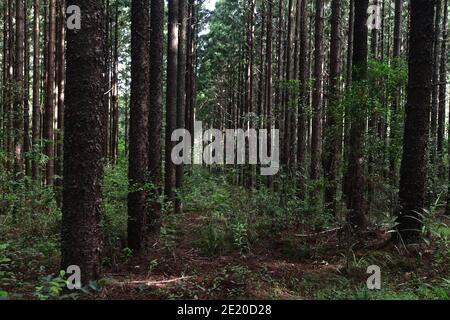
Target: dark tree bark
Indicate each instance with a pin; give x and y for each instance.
(140, 99)
(60, 84)
(355, 171)
(289, 75)
(435, 92)
(26, 94)
(249, 80)
(317, 99)
(114, 132)
(83, 143)
(304, 98)
(333, 142)
(442, 88)
(5, 80)
(156, 104)
(269, 72)
(181, 91)
(19, 90)
(36, 119)
(398, 21)
(49, 114)
(414, 163)
(9, 109)
(171, 100)
(348, 82)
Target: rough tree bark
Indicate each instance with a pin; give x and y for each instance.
(171, 100)
(181, 91)
(36, 118)
(19, 90)
(317, 99)
(413, 171)
(140, 99)
(355, 171)
(83, 143)
(156, 105)
(333, 142)
(49, 114)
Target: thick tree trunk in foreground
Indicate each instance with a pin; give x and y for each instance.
(83, 143)
(414, 163)
(140, 99)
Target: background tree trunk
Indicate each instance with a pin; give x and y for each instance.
(317, 99)
(333, 148)
(171, 108)
(49, 114)
(156, 105)
(355, 171)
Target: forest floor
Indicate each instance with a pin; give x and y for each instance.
(223, 248)
(291, 266)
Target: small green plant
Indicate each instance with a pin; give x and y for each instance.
(127, 253)
(153, 265)
(240, 237)
(51, 287)
(4, 295)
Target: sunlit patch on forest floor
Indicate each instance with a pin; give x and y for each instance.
(230, 244)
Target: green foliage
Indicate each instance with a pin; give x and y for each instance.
(115, 194)
(51, 287)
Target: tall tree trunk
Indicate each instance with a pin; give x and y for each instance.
(181, 90)
(355, 171)
(140, 99)
(269, 77)
(50, 97)
(83, 143)
(156, 105)
(413, 172)
(36, 119)
(289, 75)
(394, 135)
(348, 83)
(19, 90)
(317, 100)
(333, 147)
(60, 84)
(11, 74)
(171, 100)
(249, 80)
(304, 98)
(26, 94)
(435, 92)
(114, 132)
(5, 80)
(442, 88)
